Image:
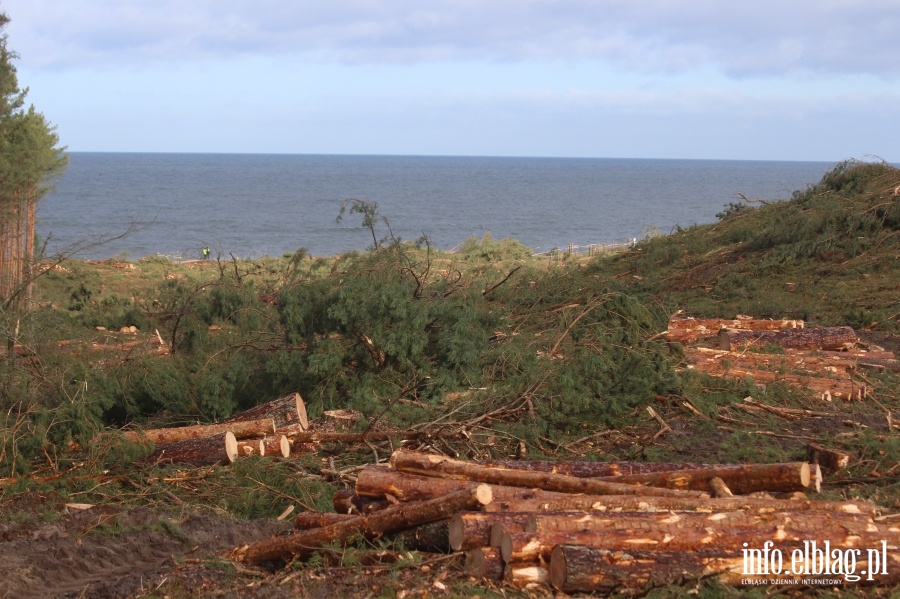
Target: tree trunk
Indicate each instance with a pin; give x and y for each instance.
(680, 532)
(251, 447)
(830, 460)
(485, 562)
(827, 381)
(205, 451)
(582, 569)
(392, 519)
(827, 338)
(378, 481)
(741, 479)
(432, 537)
(591, 469)
(277, 445)
(284, 411)
(240, 430)
(473, 529)
(623, 503)
(702, 524)
(439, 466)
(309, 520)
(688, 330)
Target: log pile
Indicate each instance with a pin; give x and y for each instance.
(266, 430)
(824, 360)
(585, 527)
(689, 330)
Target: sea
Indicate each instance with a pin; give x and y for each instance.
(133, 205)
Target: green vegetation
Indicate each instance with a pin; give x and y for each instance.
(29, 156)
(496, 350)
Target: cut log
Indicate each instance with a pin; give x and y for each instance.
(432, 537)
(827, 338)
(241, 430)
(247, 447)
(285, 411)
(837, 385)
(523, 575)
(309, 520)
(440, 466)
(581, 569)
(473, 529)
(689, 330)
(686, 532)
(485, 562)
(830, 460)
(381, 482)
(624, 503)
(591, 469)
(401, 516)
(206, 451)
(741, 478)
(550, 522)
(277, 446)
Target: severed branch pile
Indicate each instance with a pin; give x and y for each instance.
(825, 360)
(586, 526)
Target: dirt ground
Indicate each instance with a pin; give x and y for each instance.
(107, 553)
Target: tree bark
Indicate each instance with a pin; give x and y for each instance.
(439, 466)
(582, 569)
(741, 478)
(205, 451)
(473, 529)
(392, 519)
(827, 338)
(240, 430)
(623, 503)
(432, 537)
(485, 562)
(285, 411)
(348, 502)
(310, 520)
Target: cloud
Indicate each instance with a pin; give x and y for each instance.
(763, 38)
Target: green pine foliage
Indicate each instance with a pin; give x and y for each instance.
(487, 338)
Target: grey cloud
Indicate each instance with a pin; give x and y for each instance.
(767, 37)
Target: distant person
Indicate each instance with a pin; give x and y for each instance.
(206, 253)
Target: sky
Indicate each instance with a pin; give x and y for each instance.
(710, 79)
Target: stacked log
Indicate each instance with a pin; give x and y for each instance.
(689, 330)
(824, 360)
(623, 527)
(250, 433)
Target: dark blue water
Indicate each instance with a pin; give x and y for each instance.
(255, 205)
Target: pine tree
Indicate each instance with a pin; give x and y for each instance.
(29, 157)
